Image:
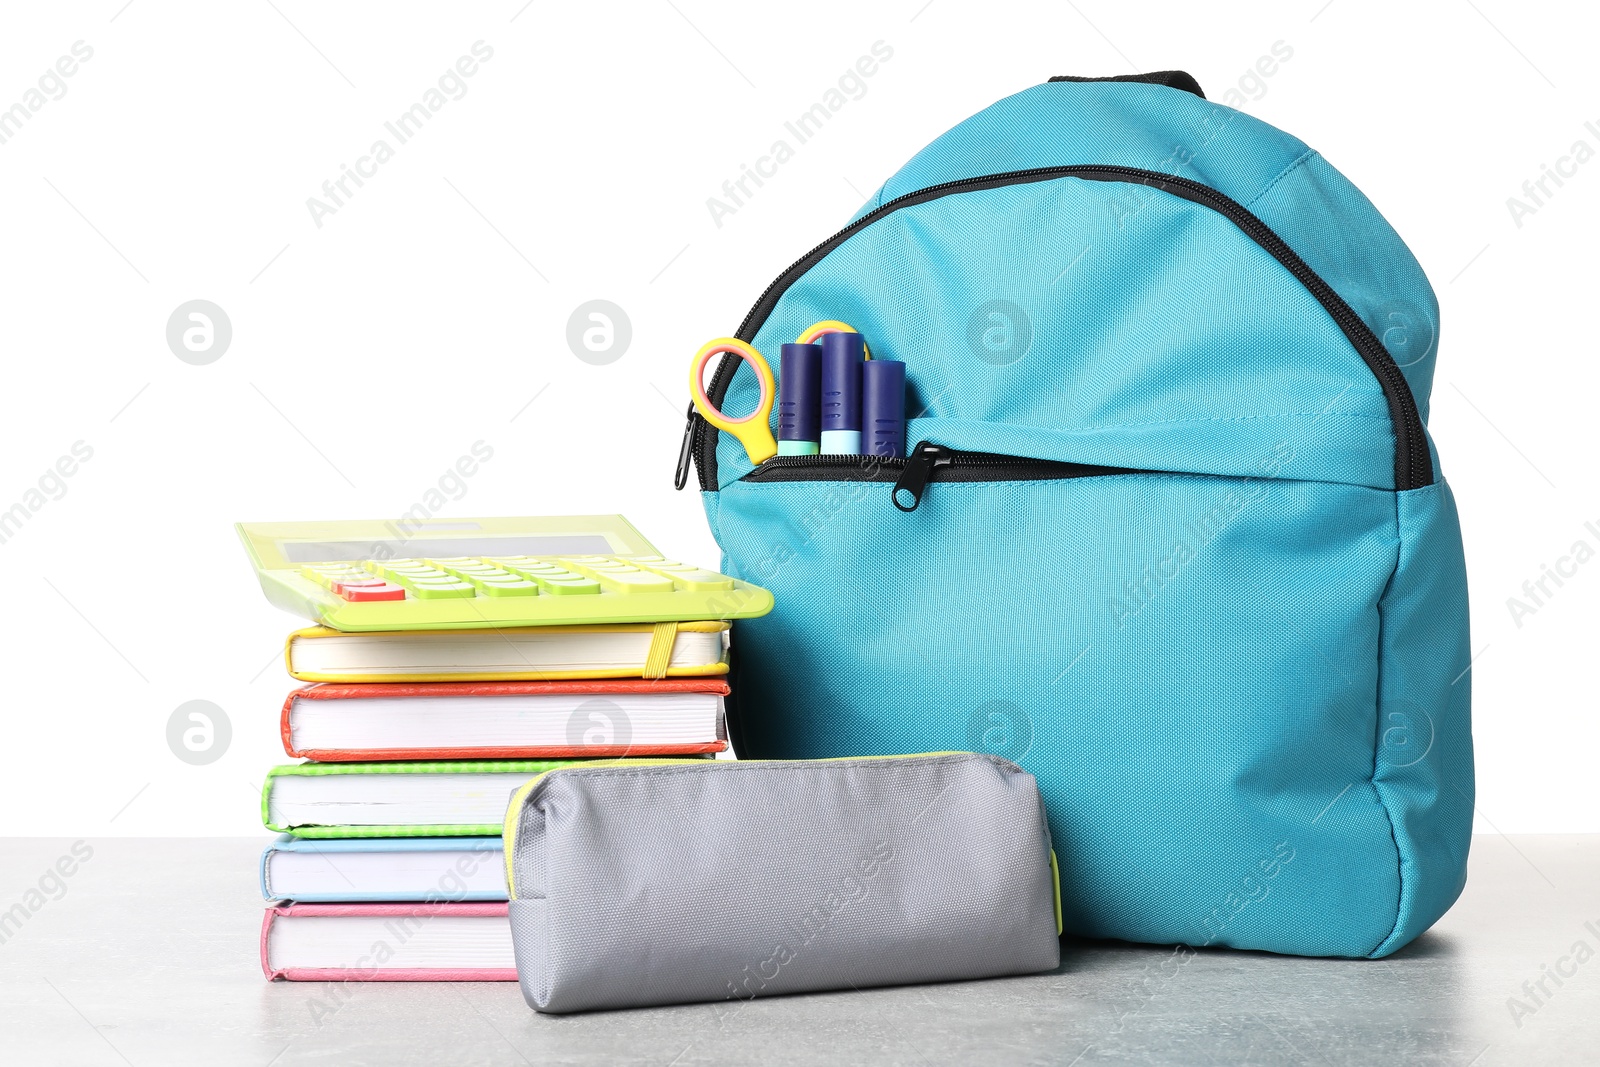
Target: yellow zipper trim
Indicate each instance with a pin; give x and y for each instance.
(1055, 879)
(508, 833)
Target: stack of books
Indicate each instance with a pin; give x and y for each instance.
(389, 867)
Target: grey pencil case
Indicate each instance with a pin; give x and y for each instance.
(643, 882)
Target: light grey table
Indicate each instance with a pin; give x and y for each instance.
(149, 957)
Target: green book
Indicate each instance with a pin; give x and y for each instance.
(444, 799)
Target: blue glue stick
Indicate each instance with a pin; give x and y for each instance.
(842, 356)
(800, 400)
(883, 407)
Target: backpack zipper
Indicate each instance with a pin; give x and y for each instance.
(927, 462)
(921, 465)
(1413, 465)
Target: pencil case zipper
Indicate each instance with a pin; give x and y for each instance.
(927, 462)
(520, 798)
(1413, 464)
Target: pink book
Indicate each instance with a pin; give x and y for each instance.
(388, 943)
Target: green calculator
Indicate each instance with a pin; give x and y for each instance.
(462, 574)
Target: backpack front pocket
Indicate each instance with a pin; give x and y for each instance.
(1188, 664)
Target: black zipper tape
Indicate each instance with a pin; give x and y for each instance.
(927, 462)
(1413, 467)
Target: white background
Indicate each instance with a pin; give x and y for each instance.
(429, 312)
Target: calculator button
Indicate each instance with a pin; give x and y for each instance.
(367, 593)
(574, 586)
(442, 590)
(621, 578)
(325, 577)
(545, 580)
(341, 584)
(692, 579)
(635, 582)
(491, 579)
(514, 588)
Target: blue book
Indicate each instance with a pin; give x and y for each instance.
(420, 869)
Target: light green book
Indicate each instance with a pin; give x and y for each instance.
(444, 799)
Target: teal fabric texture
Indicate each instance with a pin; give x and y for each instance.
(1237, 667)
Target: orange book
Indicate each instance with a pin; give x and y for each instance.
(335, 723)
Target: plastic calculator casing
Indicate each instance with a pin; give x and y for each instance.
(283, 552)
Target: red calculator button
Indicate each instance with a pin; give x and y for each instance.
(342, 585)
(357, 594)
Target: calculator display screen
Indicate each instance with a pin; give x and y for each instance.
(437, 547)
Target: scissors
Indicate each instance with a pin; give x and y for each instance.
(754, 431)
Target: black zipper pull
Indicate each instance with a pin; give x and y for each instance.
(920, 465)
(685, 451)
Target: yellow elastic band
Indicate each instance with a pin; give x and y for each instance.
(660, 654)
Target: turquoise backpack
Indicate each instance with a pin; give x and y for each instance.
(1171, 534)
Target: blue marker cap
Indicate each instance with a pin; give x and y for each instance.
(842, 356)
(883, 407)
(800, 400)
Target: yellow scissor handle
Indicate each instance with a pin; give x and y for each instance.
(754, 431)
(817, 329)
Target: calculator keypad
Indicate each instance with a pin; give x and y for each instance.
(464, 577)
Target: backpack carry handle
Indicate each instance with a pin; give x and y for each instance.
(1172, 79)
